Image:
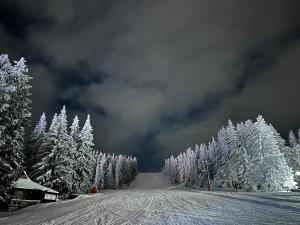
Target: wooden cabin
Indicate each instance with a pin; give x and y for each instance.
(28, 192)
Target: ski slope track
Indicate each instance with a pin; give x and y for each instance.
(150, 200)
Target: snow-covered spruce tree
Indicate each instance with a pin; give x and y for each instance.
(222, 179)
(180, 163)
(135, 167)
(62, 176)
(84, 159)
(75, 130)
(118, 175)
(75, 138)
(42, 170)
(169, 169)
(212, 154)
(101, 172)
(292, 152)
(201, 159)
(238, 160)
(7, 171)
(36, 143)
(110, 176)
(127, 173)
(293, 141)
(190, 169)
(281, 142)
(268, 168)
(14, 117)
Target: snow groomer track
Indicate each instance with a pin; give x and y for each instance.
(149, 200)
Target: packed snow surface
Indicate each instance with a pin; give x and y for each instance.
(149, 200)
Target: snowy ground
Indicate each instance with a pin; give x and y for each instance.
(149, 200)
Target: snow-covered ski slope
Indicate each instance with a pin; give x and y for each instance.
(149, 200)
(144, 181)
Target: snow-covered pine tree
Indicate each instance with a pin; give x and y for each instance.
(180, 164)
(75, 130)
(188, 166)
(43, 169)
(234, 156)
(292, 139)
(238, 160)
(7, 171)
(62, 176)
(212, 149)
(97, 177)
(202, 165)
(101, 172)
(292, 152)
(296, 159)
(135, 167)
(268, 169)
(170, 169)
(75, 139)
(221, 178)
(118, 175)
(125, 171)
(85, 162)
(36, 143)
(110, 176)
(14, 117)
(281, 142)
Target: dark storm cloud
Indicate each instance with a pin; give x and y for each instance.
(159, 76)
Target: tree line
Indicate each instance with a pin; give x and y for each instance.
(112, 171)
(248, 156)
(60, 159)
(66, 161)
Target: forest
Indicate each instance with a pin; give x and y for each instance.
(249, 156)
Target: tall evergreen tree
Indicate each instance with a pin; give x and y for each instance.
(101, 172)
(15, 92)
(221, 178)
(36, 143)
(292, 139)
(118, 175)
(268, 167)
(292, 153)
(110, 176)
(212, 149)
(62, 176)
(75, 130)
(75, 141)
(42, 170)
(85, 162)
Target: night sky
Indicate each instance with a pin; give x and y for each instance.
(158, 76)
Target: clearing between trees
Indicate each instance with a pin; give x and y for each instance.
(151, 200)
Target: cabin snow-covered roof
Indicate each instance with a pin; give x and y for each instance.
(27, 183)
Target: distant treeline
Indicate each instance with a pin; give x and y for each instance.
(112, 171)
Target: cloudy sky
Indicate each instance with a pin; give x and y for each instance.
(162, 75)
